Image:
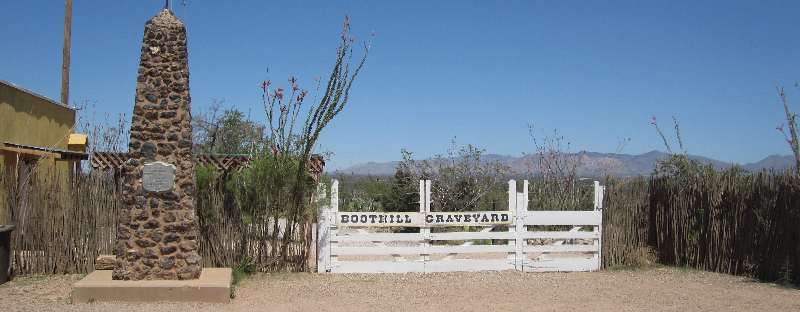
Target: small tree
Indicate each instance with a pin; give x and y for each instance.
(404, 192)
(227, 132)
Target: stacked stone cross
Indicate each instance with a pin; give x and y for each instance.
(157, 230)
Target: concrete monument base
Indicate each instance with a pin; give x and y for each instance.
(214, 286)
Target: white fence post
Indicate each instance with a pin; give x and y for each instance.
(512, 207)
(333, 229)
(598, 206)
(598, 195)
(323, 232)
(519, 222)
(424, 208)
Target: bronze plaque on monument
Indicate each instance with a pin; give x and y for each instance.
(158, 176)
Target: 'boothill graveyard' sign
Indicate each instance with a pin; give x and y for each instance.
(158, 176)
(413, 219)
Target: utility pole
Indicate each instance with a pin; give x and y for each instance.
(65, 52)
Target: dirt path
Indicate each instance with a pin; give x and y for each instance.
(660, 289)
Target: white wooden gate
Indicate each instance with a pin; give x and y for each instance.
(359, 242)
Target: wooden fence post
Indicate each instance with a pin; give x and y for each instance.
(512, 207)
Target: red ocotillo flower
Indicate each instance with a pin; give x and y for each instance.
(265, 85)
(293, 82)
(301, 96)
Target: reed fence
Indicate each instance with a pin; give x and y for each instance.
(730, 222)
(231, 235)
(64, 223)
(626, 223)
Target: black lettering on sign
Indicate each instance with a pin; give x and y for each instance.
(441, 218)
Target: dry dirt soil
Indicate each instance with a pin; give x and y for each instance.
(656, 289)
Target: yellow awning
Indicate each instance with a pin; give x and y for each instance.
(78, 142)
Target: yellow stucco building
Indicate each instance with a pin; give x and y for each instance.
(37, 133)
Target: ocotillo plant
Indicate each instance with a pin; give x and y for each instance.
(791, 137)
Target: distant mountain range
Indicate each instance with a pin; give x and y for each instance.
(592, 164)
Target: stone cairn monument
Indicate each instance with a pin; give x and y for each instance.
(157, 231)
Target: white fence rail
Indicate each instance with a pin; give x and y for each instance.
(359, 242)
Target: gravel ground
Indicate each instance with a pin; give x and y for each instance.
(657, 289)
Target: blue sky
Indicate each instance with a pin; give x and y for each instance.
(480, 71)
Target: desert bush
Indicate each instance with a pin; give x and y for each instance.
(461, 180)
(363, 193)
(554, 183)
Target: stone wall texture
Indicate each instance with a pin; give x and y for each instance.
(157, 232)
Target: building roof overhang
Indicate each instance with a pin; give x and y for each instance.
(46, 99)
(43, 151)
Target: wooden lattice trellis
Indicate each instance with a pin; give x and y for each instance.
(104, 161)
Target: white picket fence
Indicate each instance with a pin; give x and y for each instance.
(350, 242)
